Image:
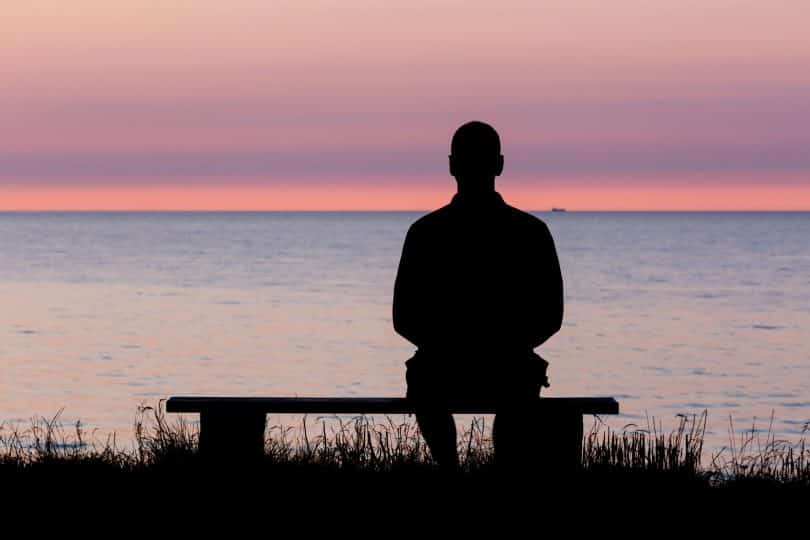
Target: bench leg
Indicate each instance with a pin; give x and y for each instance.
(234, 436)
(568, 431)
(546, 443)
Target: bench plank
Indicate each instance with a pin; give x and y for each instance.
(369, 405)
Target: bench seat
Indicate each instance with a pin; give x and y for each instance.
(370, 405)
(232, 428)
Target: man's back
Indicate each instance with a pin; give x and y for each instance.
(478, 278)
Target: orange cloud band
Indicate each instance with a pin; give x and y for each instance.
(407, 195)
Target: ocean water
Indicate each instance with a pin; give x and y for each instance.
(671, 313)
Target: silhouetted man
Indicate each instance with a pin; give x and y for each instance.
(478, 288)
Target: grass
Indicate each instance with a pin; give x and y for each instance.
(337, 450)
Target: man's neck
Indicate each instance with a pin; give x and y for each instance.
(477, 198)
(476, 188)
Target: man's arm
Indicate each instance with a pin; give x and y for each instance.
(407, 291)
(548, 310)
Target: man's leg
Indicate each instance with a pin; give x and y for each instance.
(439, 430)
(518, 440)
(427, 389)
(517, 432)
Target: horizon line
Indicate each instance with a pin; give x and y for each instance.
(357, 210)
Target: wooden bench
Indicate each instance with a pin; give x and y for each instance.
(234, 426)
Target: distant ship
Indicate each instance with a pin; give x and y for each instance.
(558, 210)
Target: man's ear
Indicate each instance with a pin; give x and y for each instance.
(499, 166)
(452, 165)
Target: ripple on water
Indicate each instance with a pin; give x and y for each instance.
(657, 369)
(694, 405)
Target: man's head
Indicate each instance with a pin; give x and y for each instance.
(475, 157)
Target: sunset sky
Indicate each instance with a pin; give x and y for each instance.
(249, 104)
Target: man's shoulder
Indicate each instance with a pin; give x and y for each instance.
(529, 222)
(430, 220)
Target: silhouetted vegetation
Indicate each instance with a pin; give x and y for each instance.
(365, 448)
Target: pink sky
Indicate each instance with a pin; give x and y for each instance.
(627, 104)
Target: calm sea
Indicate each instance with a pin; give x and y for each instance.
(672, 313)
